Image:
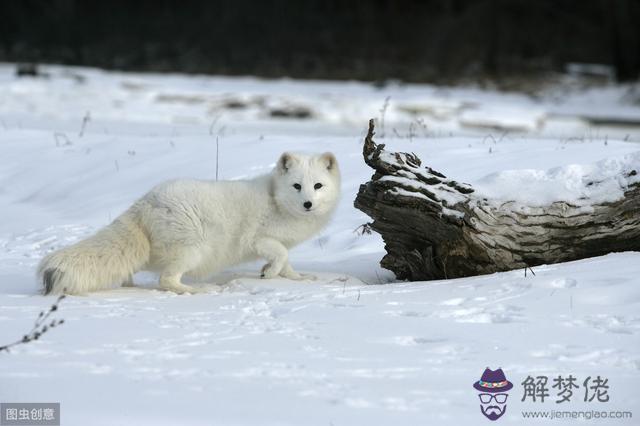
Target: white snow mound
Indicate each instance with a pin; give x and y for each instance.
(577, 184)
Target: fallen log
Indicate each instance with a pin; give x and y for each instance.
(435, 227)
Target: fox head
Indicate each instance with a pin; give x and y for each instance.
(307, 185)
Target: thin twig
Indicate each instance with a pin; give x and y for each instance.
(383, 112)
(213, 123)
(366, 229)
(39, 327)
(217, 154)
(85, 120)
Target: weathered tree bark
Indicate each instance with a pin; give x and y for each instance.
(434, 227)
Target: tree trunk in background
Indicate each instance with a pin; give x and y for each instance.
(625, 32)
(442, 41)
(434, 227)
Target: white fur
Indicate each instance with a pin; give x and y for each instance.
(201, 227)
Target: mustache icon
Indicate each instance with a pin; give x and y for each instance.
(493, 412)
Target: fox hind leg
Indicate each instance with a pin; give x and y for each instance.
(181, 260)
(171, 282)
(128, 282)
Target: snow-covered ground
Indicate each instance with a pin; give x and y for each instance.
(353, 347)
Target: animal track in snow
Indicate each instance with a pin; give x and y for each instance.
(562, 283)
(607, 323)
(495, 314)
(582, 355)
(28, 248)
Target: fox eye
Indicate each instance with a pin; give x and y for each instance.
(317, 186)
(297, 186)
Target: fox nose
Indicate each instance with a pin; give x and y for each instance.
(307, 205)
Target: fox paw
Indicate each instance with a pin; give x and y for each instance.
(296, 276)
(268, 272)
(179, 288)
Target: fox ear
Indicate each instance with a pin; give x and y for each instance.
(284, 163)
(329, 160)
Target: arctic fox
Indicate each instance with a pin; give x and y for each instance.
(198, 228)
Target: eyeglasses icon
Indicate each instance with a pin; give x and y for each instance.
(486, 398)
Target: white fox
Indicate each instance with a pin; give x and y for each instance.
(198, 228)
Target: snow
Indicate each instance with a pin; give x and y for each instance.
(354, 346)
(508, 118)
(577, 184)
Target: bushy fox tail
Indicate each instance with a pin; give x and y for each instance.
(108, 258)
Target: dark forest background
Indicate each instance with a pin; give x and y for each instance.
(410, 40)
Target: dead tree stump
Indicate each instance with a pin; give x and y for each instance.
(434, 227)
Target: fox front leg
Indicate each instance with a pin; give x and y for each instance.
(276, 255)
(289, 273)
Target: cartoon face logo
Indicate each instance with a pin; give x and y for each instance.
(493, 387)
